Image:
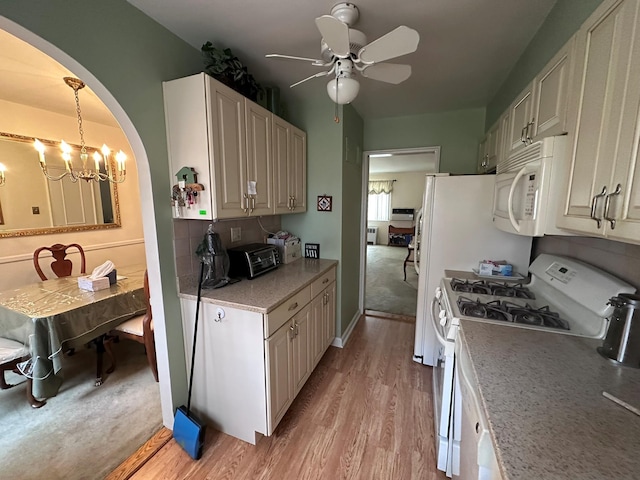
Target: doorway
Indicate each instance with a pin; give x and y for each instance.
(96, 413)
(394, 182)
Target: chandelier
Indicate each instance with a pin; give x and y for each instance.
(89, 170)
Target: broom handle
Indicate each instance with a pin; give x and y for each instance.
(195, 336)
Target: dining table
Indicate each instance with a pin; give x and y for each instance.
(54, 316)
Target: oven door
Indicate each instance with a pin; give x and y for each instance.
(516, 201)
(443, 366)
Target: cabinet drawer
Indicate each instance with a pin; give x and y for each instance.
(284, 312)
(320, 284)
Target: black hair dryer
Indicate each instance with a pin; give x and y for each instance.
(216, 261)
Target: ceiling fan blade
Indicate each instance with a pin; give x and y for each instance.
(314, 61)
(387, 72)
(319, 74)
(335, 34)
(398, 42)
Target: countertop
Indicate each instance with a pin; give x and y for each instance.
(542, 393)
(263, 293)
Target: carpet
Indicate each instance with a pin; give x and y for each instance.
(84, 432)
(385, 289)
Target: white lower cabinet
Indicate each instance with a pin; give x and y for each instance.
(250, 366)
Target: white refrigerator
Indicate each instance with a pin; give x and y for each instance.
(455, 234)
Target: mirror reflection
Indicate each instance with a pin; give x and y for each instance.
(33, 205)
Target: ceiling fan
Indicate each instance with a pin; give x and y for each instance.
(345, 51)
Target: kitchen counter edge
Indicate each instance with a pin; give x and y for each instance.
(264, 293)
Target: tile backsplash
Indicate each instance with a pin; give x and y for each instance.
(188, 234)
(621, 260)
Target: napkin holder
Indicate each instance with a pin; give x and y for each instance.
(93, 285)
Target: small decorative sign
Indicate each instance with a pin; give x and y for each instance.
(312, 250)
(324, 203)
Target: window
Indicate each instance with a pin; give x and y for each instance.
(379, 206)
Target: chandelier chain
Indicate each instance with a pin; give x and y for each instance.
(83, 148)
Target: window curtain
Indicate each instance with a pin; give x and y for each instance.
(380, 186)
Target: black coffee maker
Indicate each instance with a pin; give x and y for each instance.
(215, 259)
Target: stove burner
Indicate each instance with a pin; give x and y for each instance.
(490, 310)
(511, 312)
(490, 287)
(479, 286)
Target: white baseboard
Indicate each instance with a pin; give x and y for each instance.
(340, 342)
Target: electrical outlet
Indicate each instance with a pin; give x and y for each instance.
(236, 234)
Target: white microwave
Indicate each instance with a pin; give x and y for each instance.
(528, 188)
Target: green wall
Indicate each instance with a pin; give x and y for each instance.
(353, 130)
(130, 54)
(562, 22)
(457, 132)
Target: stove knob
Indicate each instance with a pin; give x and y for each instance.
(443, 318)
(438, 293)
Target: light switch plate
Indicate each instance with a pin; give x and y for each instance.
(236, 234)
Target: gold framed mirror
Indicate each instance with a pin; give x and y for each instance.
(33, 205)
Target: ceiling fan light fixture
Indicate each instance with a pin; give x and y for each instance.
(343, 90)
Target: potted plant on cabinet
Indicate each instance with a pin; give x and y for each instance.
(224, 66)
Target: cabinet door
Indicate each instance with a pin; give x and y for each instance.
(301, 348)
(298, 171)
(493, 146)
(550, 98)
(624, 207)
(330, 315)
(521, 116)
(281, 164)
(597, 109)
(228, 143)
(279, 350)
(259, 183)
(318, 338)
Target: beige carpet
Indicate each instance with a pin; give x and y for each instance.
(385, 289)
(85, 431)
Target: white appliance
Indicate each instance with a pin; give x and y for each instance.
(456, 233)
(564, 296)
(528, 188)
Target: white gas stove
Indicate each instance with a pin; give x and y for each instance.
(564, 296)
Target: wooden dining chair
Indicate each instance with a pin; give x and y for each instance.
(12, 353)
(60, 265)
(140, 329)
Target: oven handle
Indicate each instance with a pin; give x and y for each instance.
(436, 325)
(532, 167)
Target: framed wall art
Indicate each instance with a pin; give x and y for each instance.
(324, 203)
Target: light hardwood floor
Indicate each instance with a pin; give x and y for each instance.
(365, 413)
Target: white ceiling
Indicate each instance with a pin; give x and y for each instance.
(466, 50)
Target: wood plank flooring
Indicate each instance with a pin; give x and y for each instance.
(365, 413)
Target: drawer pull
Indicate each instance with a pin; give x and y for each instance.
(326, 280)
(293, 306)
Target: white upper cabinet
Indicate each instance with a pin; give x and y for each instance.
(490, 148)
(237, 149)
(549, 116)
(290, 163)
(541, 109)
(602, 194)
(521, 117)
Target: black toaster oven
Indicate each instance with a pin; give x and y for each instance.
(251, 260)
